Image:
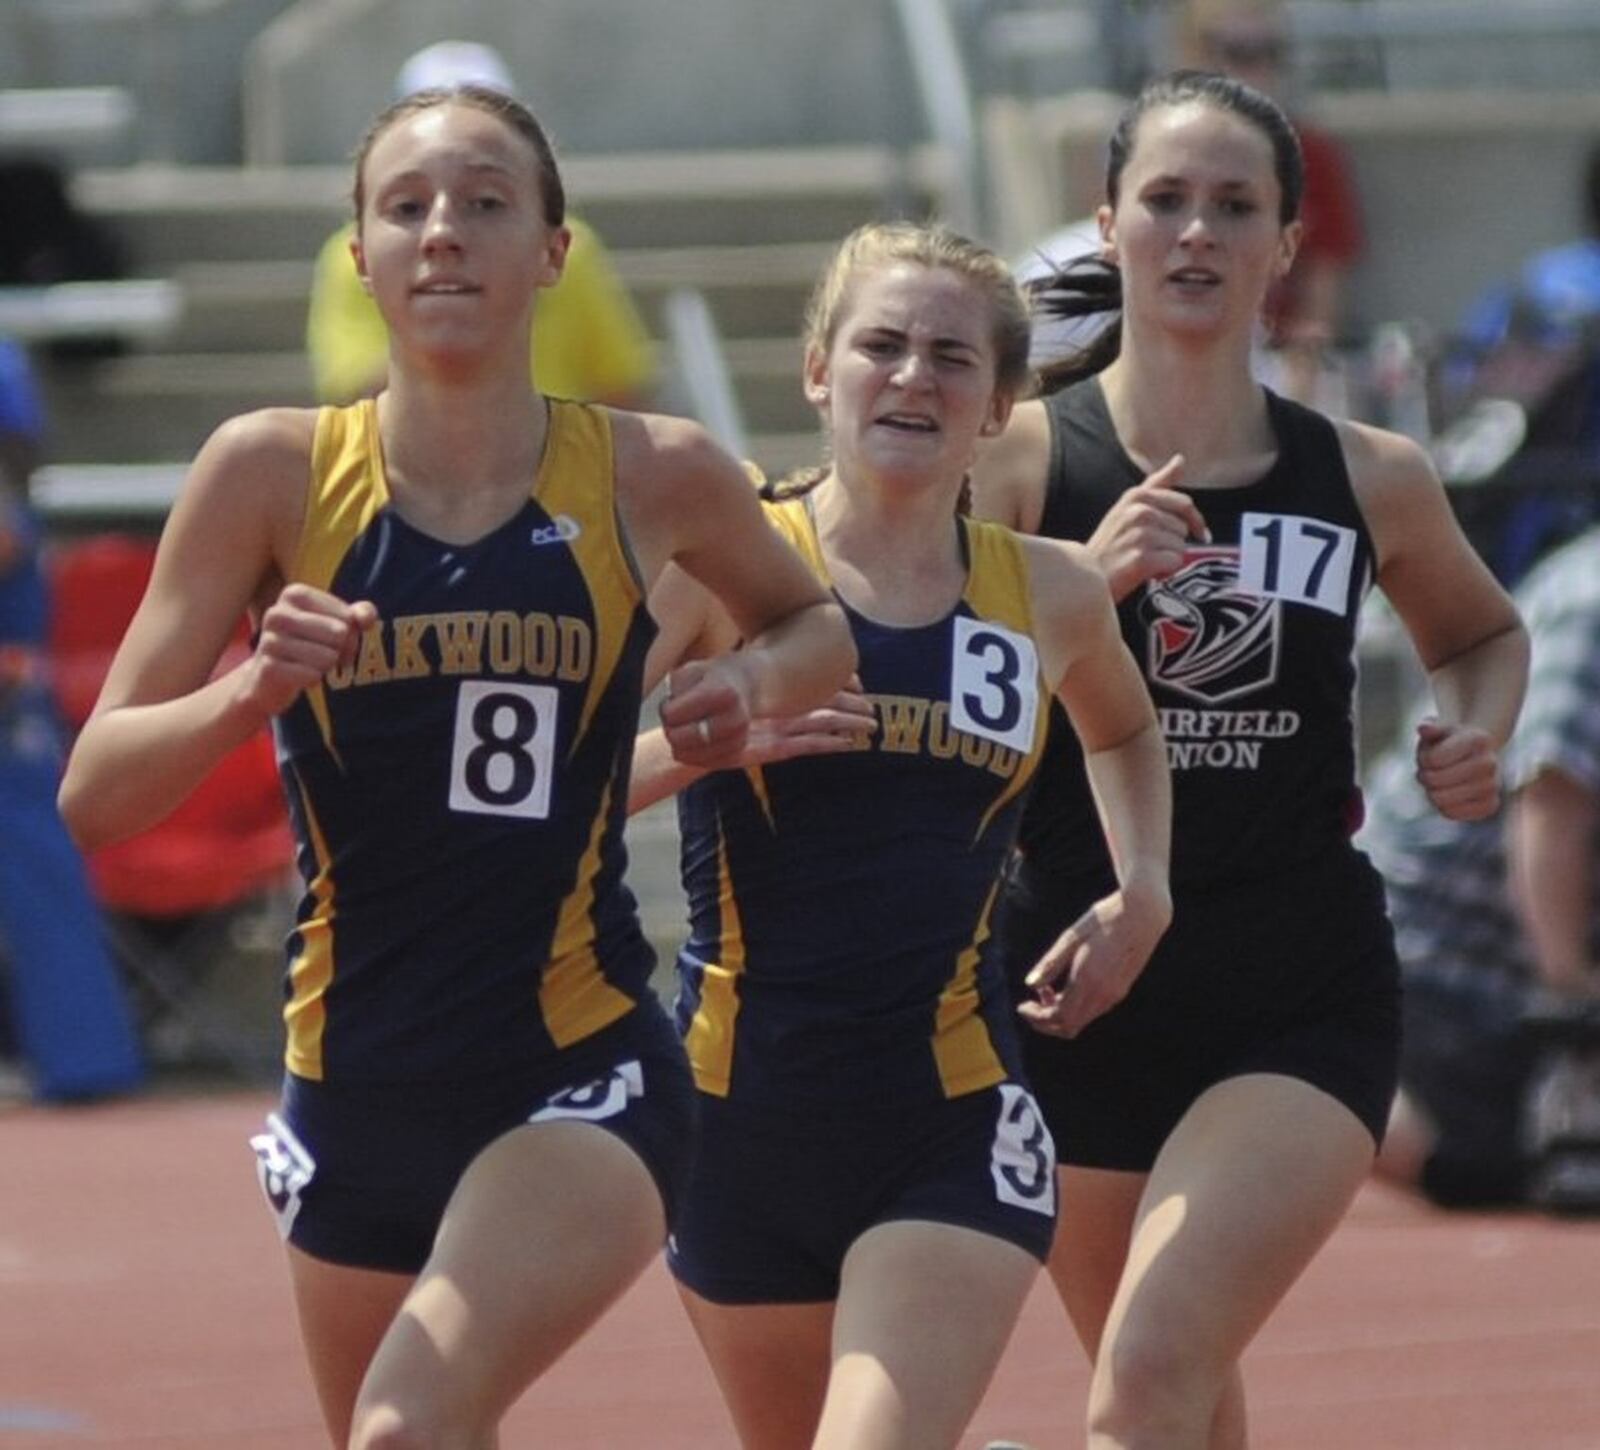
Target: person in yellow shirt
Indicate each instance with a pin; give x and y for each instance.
(588, 338)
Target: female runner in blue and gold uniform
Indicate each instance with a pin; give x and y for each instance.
(874, 1190)
(486, 1116)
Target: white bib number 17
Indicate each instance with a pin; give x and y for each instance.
(1306, 561)
(504, 749)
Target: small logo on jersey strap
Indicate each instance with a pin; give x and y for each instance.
(1206, 638)
(562, 529)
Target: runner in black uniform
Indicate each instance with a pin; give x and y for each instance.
(1213, 1127)
(1253, 693)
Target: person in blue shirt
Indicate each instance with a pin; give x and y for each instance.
(72, 1024)
(1556, 294)
(1520, 384)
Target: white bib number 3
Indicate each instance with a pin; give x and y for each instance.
(994, 683)
(1022, 1161)
(504, 749)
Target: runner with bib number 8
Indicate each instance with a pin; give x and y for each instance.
(486, 1115)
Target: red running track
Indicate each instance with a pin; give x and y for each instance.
(143, 1303)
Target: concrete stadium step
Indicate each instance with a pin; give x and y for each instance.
(766, 377)
(751, 230)
(765, 374)
(85, 495)
(170, 215)
(157, 405)
(768, 362)
(254, 304)
(752, 289)
(782, 453)
(150, 406)
(269, 376)
(247, 306)
(240, 337)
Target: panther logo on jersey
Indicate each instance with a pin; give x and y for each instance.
(1206, 638)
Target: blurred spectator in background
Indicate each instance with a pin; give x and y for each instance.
(1553, 303)
(65, 1006)
(1519, 389)
(45, 239)
(1304, 314)
(1497, 924)
(588, 338)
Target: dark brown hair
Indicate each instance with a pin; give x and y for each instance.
(1087, 286)
(552, 194)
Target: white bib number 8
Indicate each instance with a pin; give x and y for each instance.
(504, 749)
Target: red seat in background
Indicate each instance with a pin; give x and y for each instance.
(227, 848)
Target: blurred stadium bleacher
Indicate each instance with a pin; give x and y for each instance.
(209, 135)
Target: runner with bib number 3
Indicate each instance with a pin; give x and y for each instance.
(874, 1190)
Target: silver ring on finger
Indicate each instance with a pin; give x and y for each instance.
(704, 727)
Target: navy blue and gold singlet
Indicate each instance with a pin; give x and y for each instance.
(840, 905)
(459, 792)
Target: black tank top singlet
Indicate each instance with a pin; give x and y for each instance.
(1248, 650)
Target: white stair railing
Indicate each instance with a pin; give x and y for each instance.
(944, 93)
(703, 368)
